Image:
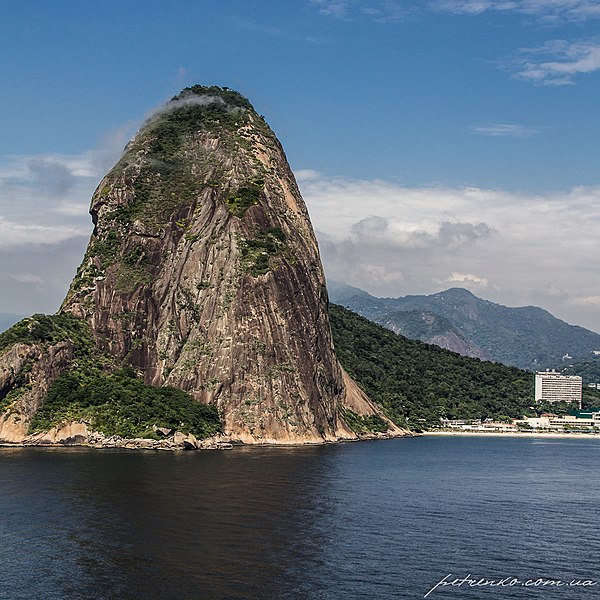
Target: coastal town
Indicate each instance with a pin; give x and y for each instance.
(550, 388)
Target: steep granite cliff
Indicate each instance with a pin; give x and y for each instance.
(203, 274)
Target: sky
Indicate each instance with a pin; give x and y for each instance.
(437, 143)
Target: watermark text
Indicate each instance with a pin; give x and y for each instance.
(540, 582)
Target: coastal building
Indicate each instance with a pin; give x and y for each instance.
(577, 420)
(477, 425)
(498, 426)
(551, 386)
(464, 424)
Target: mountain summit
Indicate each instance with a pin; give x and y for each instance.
(203, 274)
(527, 337)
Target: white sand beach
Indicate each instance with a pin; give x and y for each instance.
(521, 434)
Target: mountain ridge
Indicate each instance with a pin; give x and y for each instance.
(528, 337)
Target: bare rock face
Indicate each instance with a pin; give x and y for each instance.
(33, 354)
(203, 273)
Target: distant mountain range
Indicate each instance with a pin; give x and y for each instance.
(527, 337)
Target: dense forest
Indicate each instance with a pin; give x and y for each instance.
(417, 384)
(589, 370)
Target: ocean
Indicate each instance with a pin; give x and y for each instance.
(379, 519)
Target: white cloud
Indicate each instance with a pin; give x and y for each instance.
(47, 185)
(379, 11)
(401, 233)
(504, 130)
(519, 248)
(473, 7)
(548, 10)
(558, 62)
(587, 301)
(16, 234)
(332, 8)
(306, 174)
(44, 221)
(25, 277)
(467, 278)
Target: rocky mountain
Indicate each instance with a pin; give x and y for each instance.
(432, 328)
(527, 337)
(202, 275)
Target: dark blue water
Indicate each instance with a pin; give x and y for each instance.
(372, 520)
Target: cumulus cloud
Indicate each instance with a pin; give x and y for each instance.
(504, 130)
(467, 278)
(53, 177)
(517, 248)
(401, 233)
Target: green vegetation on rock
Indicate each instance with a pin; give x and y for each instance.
(47, 330)
(165, 184)
(98, 390)
(257, 252)
(245, 197)
(106, 248)
(22, 388)
(362, 424)
(133, 270)
(121, 404)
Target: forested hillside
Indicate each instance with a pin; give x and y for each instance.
(418, 383)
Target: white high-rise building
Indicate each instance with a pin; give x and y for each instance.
(551, 386)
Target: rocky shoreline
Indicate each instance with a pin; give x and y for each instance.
(78, 435)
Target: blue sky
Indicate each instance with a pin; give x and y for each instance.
(437, 143)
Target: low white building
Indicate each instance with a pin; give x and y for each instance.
(579, 420)
(477, 425)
